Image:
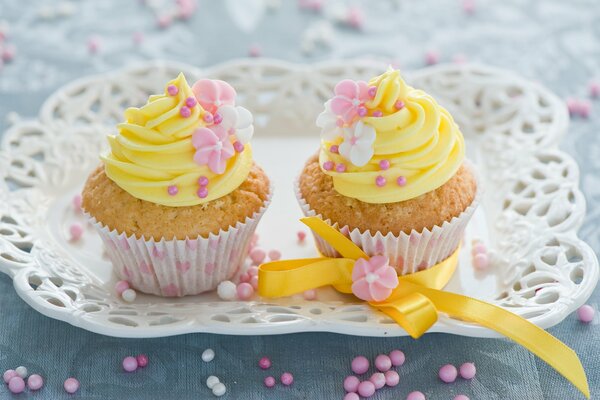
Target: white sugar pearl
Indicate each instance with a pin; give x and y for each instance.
(129, 295)
(21, 371)
(211, 381)
(219, 389)
(208, 355)
(227, 290)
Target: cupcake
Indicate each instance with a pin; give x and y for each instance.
(177, 197)
(390, 173)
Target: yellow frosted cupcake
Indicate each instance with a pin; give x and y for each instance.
(390, 173)
(178, 196)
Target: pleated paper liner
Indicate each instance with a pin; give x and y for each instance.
(174, 268)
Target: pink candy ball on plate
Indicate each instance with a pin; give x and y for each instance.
(252, 271)
(301, 236)
(467, 370)
(35, 382)
(130, 364)
(121, 286)
(480, 261)
(397, 358)
(77, 202)
(71, 385)
(351, 396)
(461, 397)
(360, 365)
(269, 381)
(448, 373)
(416, 395)
(351, 384)
(76, 231)
(264, 363)
(366, 389)
(274, 255)
(383, 363)
(287, 379)
(16, 384)
(585, 313)
(392, 378)
(245, 291)
(378, 379)
(310, 294)
(257, 255)
(9, 374)
(142, 360)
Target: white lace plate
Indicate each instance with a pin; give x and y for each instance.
(530, 213)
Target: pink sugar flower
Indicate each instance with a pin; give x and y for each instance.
(213, 148)
(349, 97)
(213, 93)
(373, 280)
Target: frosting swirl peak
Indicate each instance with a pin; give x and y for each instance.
(174, 152)
(385, 142)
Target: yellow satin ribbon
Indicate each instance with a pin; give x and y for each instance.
(415, 303)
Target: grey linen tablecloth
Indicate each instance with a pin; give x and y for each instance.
(554, 42)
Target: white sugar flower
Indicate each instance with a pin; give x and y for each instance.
(357, 146)
(328, 122)
(237, 121)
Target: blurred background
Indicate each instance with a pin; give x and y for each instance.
(46, 44)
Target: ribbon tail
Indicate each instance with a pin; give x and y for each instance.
(414, 312)
(558, 355)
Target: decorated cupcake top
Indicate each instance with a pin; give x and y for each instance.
(385, 142)
(185, 147)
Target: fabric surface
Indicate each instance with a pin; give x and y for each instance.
(554, 42)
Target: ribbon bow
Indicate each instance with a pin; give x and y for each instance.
(414, 300)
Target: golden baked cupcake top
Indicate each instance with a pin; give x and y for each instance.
(185, 147)
(386, 142)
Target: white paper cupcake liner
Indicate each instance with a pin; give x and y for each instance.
(407, 253)
(174, 268)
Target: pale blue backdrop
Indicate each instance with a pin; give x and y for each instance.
(554, 42)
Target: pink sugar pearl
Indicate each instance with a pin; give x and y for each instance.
(238, 146)
(384, 164)
(121, 286)
(351, 396)
(71, 385)
(252, 271)
(310, 294)
(401, 181)
(397, 358)
(360, 365)
(274, 255)
(334, 149)
(287, 379)
(301, 236)
(185, 111)
(391, 378)
(254, 282)
(264, 363)
(467, 370)
(269, 381)
(76, 231)
(35, 382)
(244, 291)
(217, 118)
(351, 384)
(378, 379)
(9, 374)
(130, 364)
(594, 89)
(191, 102)
(366, 389)
(372, 91)
(383, 363)
(380, 181)
(202, 192)
(585, 313)
(257, 255)
(416, 395)
(432, 57)
(245, 277)
(254, 51)
(16, 384)
(142, 360)
(478, 248)
(328, 165)
(480, 261)
(448, 373)
(461, 397)
(77, 202)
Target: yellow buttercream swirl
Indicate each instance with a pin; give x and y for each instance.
(154, 151)
(421, 142)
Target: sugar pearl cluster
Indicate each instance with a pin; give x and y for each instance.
(131, 364)
(17, 379)
(479, 254)
(286, 378)
(125, 291)
(384, 375)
